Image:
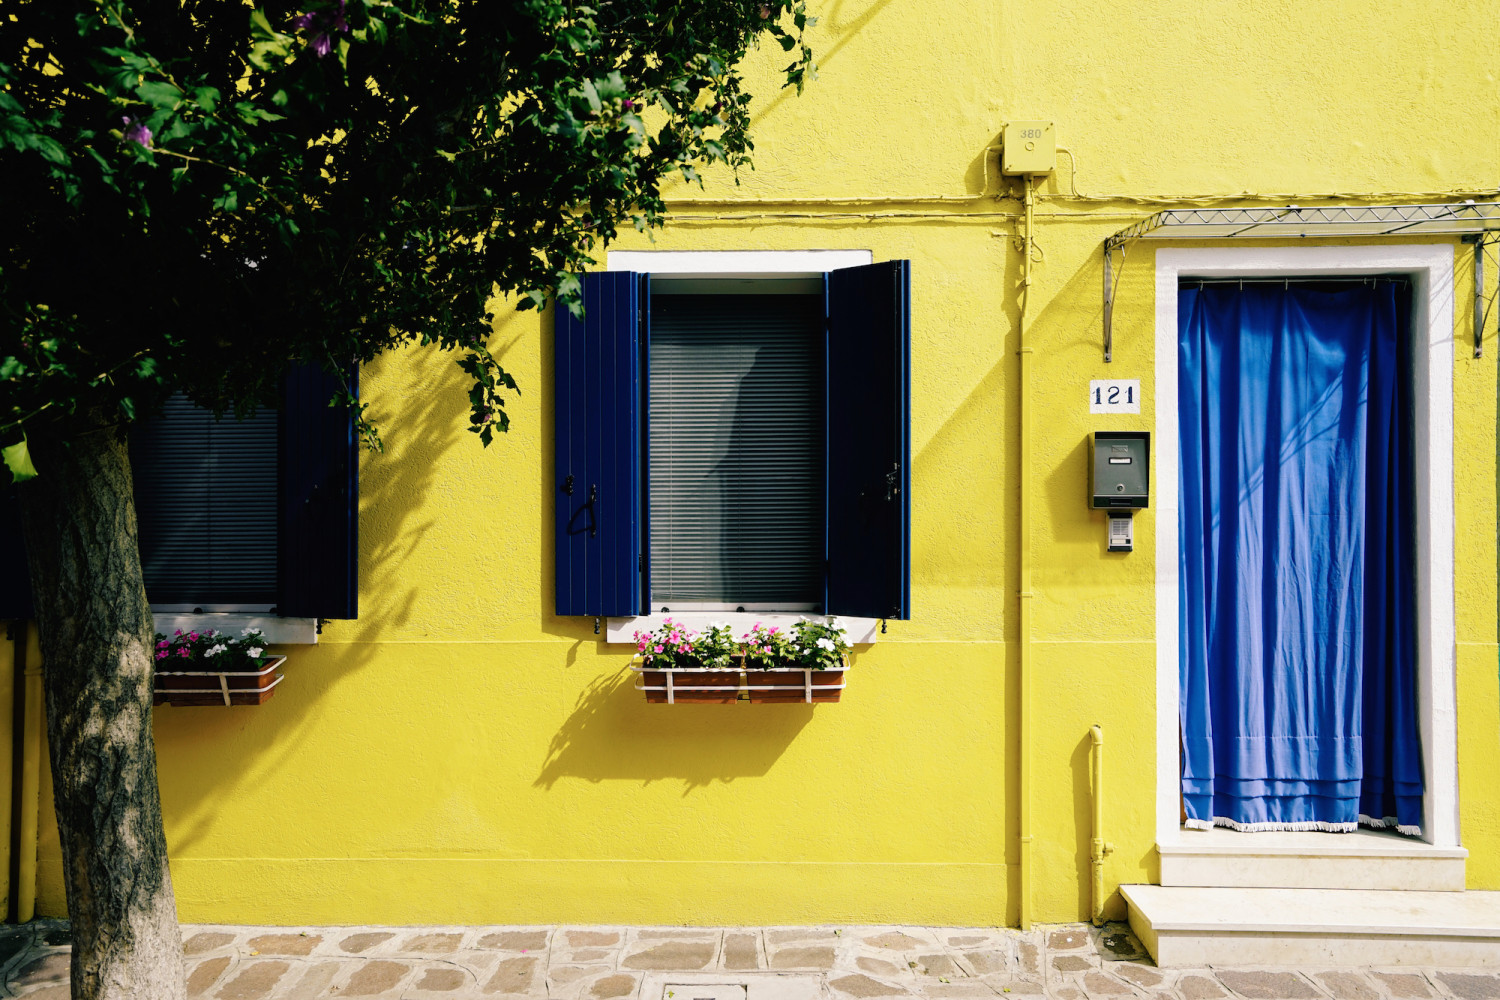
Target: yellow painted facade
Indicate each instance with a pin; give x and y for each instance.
(460, 754)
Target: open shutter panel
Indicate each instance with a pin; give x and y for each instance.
(869, 452)
(319, 499)
(599, 519)
(15, 577)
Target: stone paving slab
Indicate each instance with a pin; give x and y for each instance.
(1070, 962)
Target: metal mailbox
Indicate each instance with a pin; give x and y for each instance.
(1119, 470)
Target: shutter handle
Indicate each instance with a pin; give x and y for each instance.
(593, 514)
(567, 486)
(891, 489)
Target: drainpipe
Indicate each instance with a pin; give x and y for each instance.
(1024, 623)
(1097, 847)
(31, 776)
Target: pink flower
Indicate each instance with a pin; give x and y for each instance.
(182, 653)
(193, 636)
(161, 654)
(658, 649)
(162, 644)
(178, 632)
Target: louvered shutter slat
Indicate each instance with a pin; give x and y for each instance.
(736, 449)
(206, 498)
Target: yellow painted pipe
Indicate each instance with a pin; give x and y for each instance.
(31, 778)
(1097, 847)
(1024, 623)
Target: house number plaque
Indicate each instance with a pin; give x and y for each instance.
(1115, 395)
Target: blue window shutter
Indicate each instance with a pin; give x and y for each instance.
(15, 577)
(319, 499)
(599, 526)
(869, 450)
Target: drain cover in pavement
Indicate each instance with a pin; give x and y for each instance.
(705, 991)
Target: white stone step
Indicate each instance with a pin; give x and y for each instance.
(1190, 926)
(1364, 859)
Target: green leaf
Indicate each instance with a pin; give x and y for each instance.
(159, 95)
(17, 459)
(206, 98)
(591, 95)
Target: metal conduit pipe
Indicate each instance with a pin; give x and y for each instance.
(1024, 622)
(1097, 847)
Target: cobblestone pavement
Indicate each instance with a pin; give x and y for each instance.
(1070, 962)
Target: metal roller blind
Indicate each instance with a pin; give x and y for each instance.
(206, 499)
(735, 431)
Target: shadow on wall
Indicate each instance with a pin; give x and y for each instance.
(206, 754)
(613, 735)
(396, 514)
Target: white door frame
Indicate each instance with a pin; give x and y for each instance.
(1430, 267)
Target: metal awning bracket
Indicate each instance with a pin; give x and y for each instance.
(1474, 222)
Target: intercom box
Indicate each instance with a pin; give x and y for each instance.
(1119, 470)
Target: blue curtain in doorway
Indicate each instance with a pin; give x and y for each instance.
(1296, 590)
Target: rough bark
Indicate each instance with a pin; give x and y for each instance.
(96, 636)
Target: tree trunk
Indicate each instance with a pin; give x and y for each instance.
(96, 636)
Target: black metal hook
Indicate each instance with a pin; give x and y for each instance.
(596, 626)
(567, 486)
(593, 514)
(891, 489)
(882, 626)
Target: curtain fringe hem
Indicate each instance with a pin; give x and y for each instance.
(1305, 826)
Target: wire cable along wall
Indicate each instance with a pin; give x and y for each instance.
(1475, 221)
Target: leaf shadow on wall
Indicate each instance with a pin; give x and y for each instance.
(211, 758)
(612, 734)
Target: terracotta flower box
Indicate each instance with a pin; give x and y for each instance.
(691, 686)
(793, 686)
(218, 687)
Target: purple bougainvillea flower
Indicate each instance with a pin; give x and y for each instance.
(323, 24)
(136, 131)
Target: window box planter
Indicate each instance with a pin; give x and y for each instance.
(761, 686)
(795, 685)
(689, 686)
(218, 687)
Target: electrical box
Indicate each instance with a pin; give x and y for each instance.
(1027, 148)
(1119, 470)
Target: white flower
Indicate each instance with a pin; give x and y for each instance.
(246, 632)
(215, 650)
(825, 643)
(254, 650)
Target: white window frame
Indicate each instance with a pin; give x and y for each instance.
(730, 264)
(1430, 267)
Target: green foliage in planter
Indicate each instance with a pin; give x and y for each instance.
(674, 647)
(211, 650)
(822, 645)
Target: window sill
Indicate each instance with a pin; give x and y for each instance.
(861, 630)
(278, 631)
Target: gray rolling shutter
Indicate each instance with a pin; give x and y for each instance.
(206, 499)
(735, 455)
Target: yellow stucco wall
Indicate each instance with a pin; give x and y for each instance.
(460, 754)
